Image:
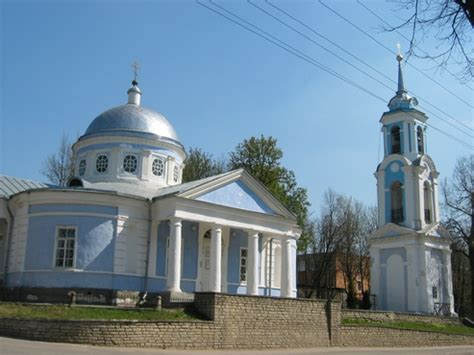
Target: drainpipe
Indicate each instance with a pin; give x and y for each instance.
(148, 244)
(9, 238)
(270, 271)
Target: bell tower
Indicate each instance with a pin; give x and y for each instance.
(411, 257)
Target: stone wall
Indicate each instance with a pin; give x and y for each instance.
(265, 322)
(357, 336)
(384, 316)
(235, 322)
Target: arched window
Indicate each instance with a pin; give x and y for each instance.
(130, 164)
(395, 133)
(396, 200)
(427, 201)
(420, 140)
(158, 167)
(102, 163)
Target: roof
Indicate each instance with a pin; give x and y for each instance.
(133, 119)
(11, 185)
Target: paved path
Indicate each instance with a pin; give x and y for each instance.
(10, 346)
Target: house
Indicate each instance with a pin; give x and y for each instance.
(127, 222)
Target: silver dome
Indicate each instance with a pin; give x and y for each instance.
(134, 119)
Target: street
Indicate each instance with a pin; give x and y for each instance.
(9, 346)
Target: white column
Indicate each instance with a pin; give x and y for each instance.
(252, 267)
(435, 197)
(375, 275)
(380, 176)
(286, 282)
(216, 254)
(174, 257)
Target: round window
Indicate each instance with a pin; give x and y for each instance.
(82, 167)
(102, 163)
(130, 163)
(158, 167)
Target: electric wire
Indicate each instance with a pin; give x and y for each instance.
(363, 62)
(408, 39)
(288, 48)
(344, 60)
(391, 51)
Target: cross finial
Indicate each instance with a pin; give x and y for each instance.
(136, 67)
(399, 52)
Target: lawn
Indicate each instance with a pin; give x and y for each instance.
(31, 311)
(429, 327)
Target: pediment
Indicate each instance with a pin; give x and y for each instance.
(391, 230)
(239, 190)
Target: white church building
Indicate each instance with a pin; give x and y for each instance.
(410, 252)
(127, 222)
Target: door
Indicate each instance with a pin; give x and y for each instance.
(205, 263)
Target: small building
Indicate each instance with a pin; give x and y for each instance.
(127, 222)
(322, 275)
(411, 256)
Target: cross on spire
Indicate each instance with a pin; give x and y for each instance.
(136, 67)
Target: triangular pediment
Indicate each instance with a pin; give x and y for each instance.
(239, 190)
(391, 230)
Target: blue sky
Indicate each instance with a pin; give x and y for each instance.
(65, 62)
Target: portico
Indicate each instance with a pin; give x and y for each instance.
(238, 250)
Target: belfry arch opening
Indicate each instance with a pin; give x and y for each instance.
(420, 140)
(395, 134)
(427, 202)
(396, 202)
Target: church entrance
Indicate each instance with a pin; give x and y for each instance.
(205, 263)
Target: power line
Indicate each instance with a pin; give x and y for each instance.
(288, 48)
(343, 59)
(391, 51)
(408, 39)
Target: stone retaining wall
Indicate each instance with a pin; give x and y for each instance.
(235, 322)
(383, 316)
(358, 336)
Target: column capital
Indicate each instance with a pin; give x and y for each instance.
(253, 232)
(176, 220)
(216, 226)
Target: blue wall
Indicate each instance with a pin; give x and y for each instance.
(237, 195)
(163, 234)
(191, 249)
(94, 248)
(238, 239)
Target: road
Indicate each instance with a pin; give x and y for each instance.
(10, 346)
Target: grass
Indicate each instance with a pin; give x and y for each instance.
(428, 327)
(30, 311)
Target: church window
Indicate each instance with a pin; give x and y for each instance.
(65, 245)
(102, 163)
(395, 133)
(158, 167)
(427, 201)
(396, 194)
(175, 174)
(82, 167)
(130, 163)
(243, 265)
(420, 140)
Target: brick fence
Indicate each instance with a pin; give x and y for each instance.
(234, 322)
(384, 316)
(357, 336)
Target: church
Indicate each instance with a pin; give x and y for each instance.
(410, 252)
(126, 222)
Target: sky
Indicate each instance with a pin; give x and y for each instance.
(62, 63)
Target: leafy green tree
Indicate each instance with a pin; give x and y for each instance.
(200, 165)
(261, 157)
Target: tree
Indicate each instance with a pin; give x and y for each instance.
(200, 165)
(450, 22)
(58, 167)
(459, 210)
(261, 157)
